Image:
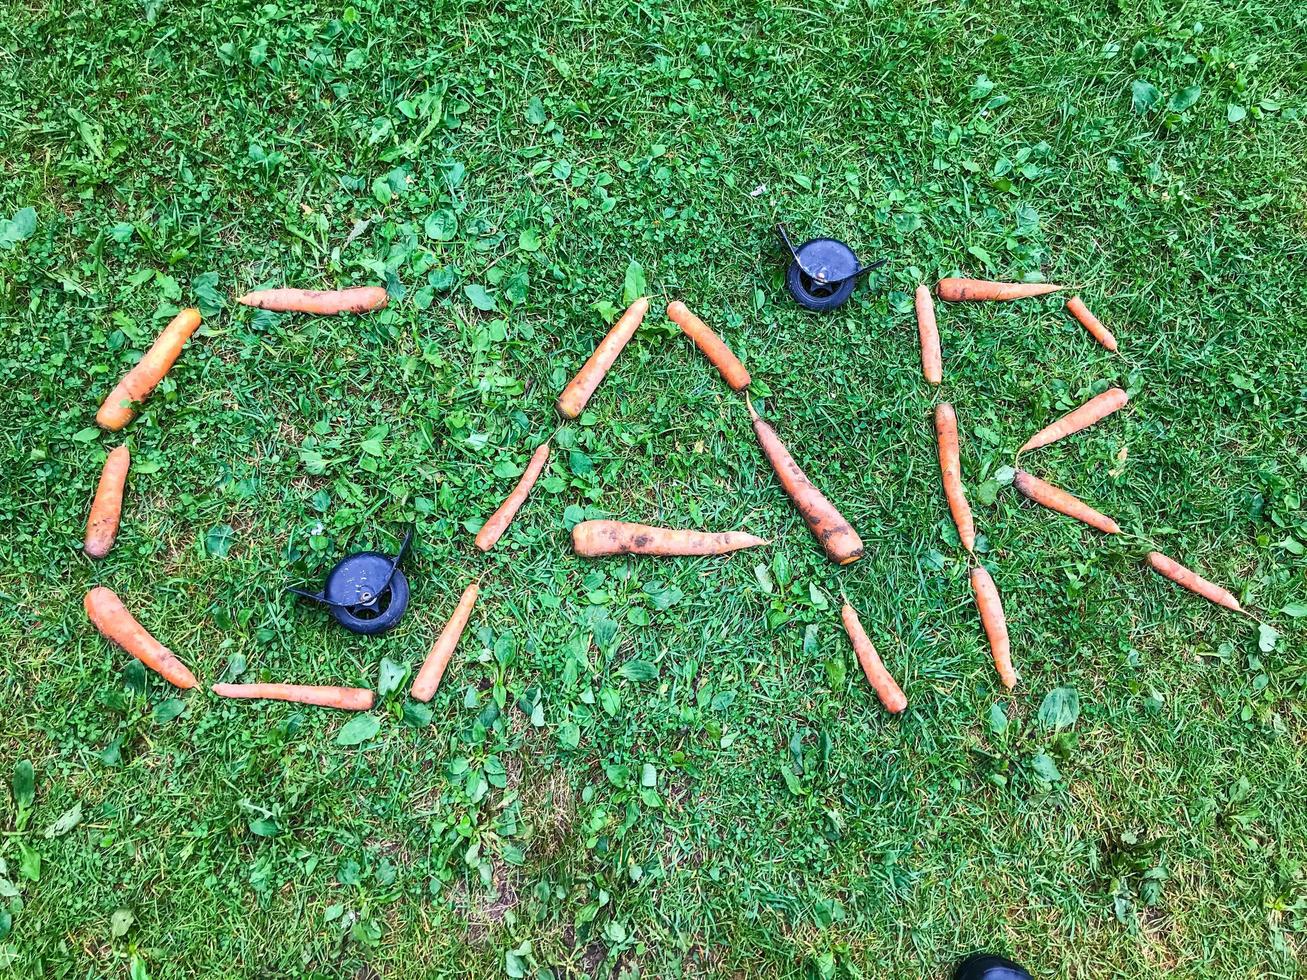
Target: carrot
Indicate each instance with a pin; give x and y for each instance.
(1076, 307)
(1054, 498)
(1098, 407)
(433, 668)
(498, 523)
(595, 539)
(880, 679)
(841, 542)
(991, 617)
(108, 614)
(931, 364)
(116, 410)
(107, 507)
(345, 698)
(360, 299)
(713, 347)
(950, 471)
(580, 388)
(978, 290)
(1180, 575)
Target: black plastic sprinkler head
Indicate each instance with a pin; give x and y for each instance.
(823, 272)
(987, 966)
(366, 592)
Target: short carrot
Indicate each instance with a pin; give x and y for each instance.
(950, 470)
(995, 622)
(1195, 583)
(433, 668)
(116, 410)
(1098, 407)
(359, 299)
(107, 507)
(932, 365)
(880, 679)
(580, 388)
(982, 290)
(1055, 498)
(713, 347)
(344, 698)
(597, 539)
(498, 523)
(108, 614)
(1076, 307)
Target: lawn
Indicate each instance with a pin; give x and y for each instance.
(644, 767)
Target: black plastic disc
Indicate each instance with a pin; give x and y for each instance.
(366, 593)
(986, 966)
(822, 275)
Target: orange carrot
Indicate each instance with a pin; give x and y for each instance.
(111, 618)
(1098, 407)
(1076, 307)
(950, 470)
(498, 523)
(433, 668)
(931, 363)
(713, 347)
(596, 539)
(116, 410)
(995, 623)
(359, 299)
(1054, 498)
(977, 290)
(880, 679)
(840, 541)
(107, 507)
(345, 698)
(579, 389)
(1180, 575)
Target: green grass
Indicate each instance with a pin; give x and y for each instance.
(183, 153)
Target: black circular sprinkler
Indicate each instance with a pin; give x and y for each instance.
(365, 592)
(987, 966)
(822, 272)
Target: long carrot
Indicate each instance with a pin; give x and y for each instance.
(498, 523)
(108, 614)
(1098, 407)
(880, 679)
(596, 539)
(1195, 583)
(345, 698)
(433, 668)
(1055, 498)
(116, 410)
(837, 537)
(1076, 307)
(932, 366)
(579, 389)
(713, 347)
(991, 616)
(107, 507)
(359, 299)
(950, 471)
(982, 290)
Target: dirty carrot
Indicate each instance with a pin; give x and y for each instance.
(433, 668)
(950, 471)
(116, 410)
(107, 507)
(880, 679)
(345, 698)
(108, 614)
(359, 299)
(579, 389)
(1055, 498)
(713, 347)
(1195, 583)
(596, 539)
(991, 617)
(931, 362)
(1076, 307)
(1098, 407)
(498, 523)
(982, 290)
(840, 541)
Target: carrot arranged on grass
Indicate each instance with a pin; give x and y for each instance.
(579, 389)
(108, 614)
(597, 539)
(950, 471)
(1098, 407)
(713, 347)
(841, 542)
(433, 668)
(107, 507)
(345, 698)
(1055, 498)
(982, 290)
(995, 623)
(116, 410)
(359, 299)
(880, 679)
(1077, 308)
(932, 366)
(498, 523)
(1195, 583)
